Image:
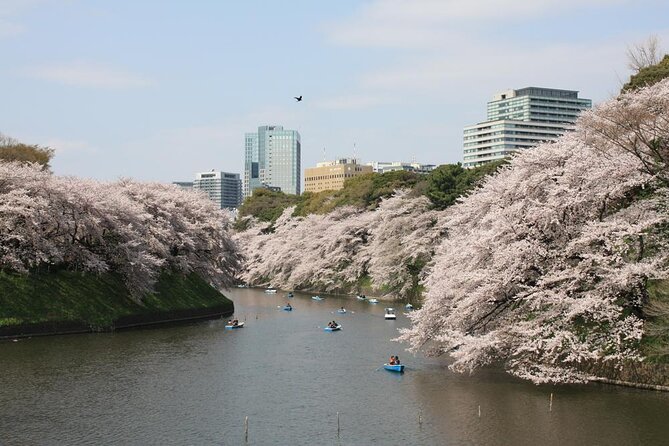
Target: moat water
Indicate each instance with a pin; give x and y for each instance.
(196, 384)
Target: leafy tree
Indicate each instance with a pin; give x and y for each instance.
(13, 150)
(448, 182)
(267, 205)
(362, 191)
(648, 75)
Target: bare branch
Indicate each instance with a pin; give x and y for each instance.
(644, 54)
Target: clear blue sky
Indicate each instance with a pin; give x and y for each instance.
(158, 90)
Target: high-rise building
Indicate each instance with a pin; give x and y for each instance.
(330, 175)
(223, 188)
(272, 159)
(519, 119)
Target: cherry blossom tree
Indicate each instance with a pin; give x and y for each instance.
(544, 267)
(333, 252)
(637, 122)
(136, 229)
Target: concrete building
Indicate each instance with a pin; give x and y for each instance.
(520, 119)
(330, 175)
(223, 188)
(184, 184)
(382, 167)
(272, 159)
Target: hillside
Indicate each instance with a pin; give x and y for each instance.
(65, 301)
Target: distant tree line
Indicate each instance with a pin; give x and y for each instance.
(443, 186)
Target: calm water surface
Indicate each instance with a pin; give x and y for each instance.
(195, 384)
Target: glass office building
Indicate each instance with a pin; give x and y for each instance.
(272, 160)
(520, 119)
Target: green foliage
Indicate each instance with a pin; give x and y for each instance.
(449, 181)
(267, 205)
(443, 186)
(95, 300)
(362, 191)
(13, 150)
(648, 75)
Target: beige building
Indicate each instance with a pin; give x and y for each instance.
(331, 175)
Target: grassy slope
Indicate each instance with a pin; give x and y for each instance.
(95, 300)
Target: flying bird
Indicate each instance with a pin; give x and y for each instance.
(298, 98)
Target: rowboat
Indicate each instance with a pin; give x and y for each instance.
(287, 308)
(341, 311)
(399, 368)
(335, 328)
(373, 301)
(408, 307)
(361, 297)
(317, 297)
(232, 327)
(390, 314)
(289, 295)
(270, 291)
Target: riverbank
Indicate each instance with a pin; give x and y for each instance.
(64, 302)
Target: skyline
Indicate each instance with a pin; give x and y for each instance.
(116, 88)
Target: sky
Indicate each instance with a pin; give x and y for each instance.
(158, 90)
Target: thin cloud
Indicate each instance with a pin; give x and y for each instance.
(86, 74)
(430, 23)
(523, 61)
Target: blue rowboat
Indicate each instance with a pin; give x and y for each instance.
(287, 308)
(317, 297)
(232, 327)
(373, 301)
(338, 327)
(394, 367)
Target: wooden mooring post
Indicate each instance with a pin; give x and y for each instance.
(246, 429)
(479, 411)
(420, 417)
(338, 430)
(550, 403)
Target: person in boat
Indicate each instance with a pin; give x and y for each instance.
(391, 361)
(342, 309)
(235, 322)
(397, 360)
(288, 305)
